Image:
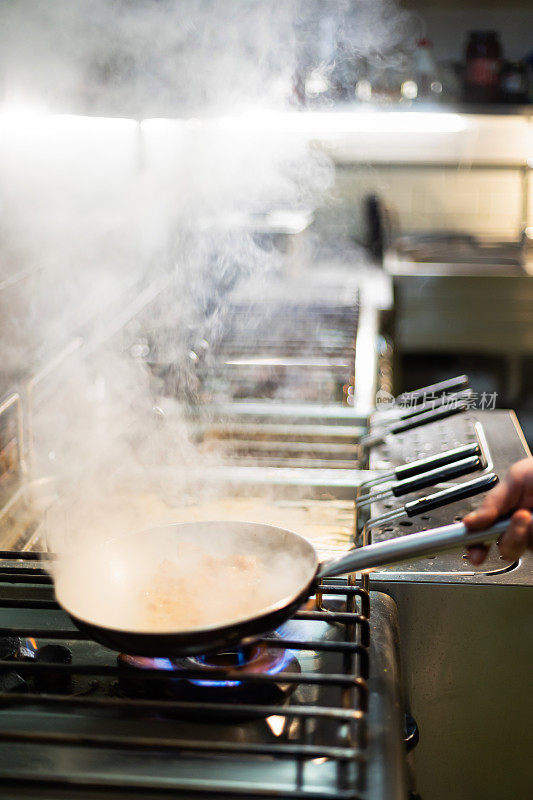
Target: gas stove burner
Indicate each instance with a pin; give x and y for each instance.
(251, 659)
(52, 680)
(12, 648)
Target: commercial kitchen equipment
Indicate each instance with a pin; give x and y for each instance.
(326, 705)
(458, 294)
(444, 497)
(421, 465)
(451, 469)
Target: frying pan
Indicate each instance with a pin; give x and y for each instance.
(101, 586)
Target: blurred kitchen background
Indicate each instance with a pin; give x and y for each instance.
(421, 110)
(440, 190)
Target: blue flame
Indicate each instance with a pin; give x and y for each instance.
(241, 661)
(162, 663)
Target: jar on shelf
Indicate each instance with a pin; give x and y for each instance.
(514, 82)
(482, 68)
(426, 76)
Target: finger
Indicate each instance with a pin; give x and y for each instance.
(477, 554)
(517, 537)
(486, 515)
(498, 501)
(483, 517)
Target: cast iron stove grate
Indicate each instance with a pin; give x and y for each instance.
(80, 737)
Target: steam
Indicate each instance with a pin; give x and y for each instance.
(158, 584)
(125, 221)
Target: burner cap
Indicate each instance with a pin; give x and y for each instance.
(178, 685)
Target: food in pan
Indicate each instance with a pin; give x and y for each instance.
(200, 590)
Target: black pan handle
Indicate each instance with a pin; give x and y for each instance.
(455, 397)
(447, 496)
(438, 460)
(434, 476)
(428, 416)
(435, 389)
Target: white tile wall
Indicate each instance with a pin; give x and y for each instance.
(470, 179)
(484, 202)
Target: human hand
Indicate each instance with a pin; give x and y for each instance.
(514, 492)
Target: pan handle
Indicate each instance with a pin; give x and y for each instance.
(433, 415)
(466, 395)
(405, 471)
(435, 389)
(459, 491)
(454, 470)
(414, 545)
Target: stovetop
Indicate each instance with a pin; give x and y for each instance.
(338, 734)
(89, 729)
(329, 722)
(501, 441)
(454, 254)
(284, 350)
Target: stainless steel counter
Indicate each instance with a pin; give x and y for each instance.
(467, 645)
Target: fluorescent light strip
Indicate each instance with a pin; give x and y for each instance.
(339, 122)
(26, 120)
(309, 124)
